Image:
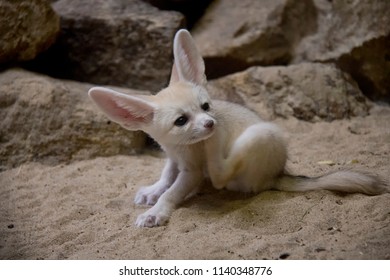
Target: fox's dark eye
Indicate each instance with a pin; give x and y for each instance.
(205, 106)
(181, 121)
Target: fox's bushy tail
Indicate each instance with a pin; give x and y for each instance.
(341, 181)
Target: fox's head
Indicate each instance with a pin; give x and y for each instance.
(180, 114)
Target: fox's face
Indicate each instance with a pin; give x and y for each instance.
(180, 114)
(183, 115)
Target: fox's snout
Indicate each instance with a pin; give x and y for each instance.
(209, 124)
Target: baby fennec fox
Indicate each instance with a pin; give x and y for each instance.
(208, 138)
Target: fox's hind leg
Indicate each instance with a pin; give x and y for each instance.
(252, 162)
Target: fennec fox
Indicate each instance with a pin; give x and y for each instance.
(203, 138)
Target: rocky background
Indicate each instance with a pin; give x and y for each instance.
(311, 59)
(318, 68)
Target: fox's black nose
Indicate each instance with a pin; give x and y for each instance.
(209, 124)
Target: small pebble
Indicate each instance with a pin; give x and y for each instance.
(326, 162)
(284, 256)
(320, 249)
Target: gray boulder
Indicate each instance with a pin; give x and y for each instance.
(116, 42)
(308, 91)
(233, 35)
(27, 27)
(356, 36)
(52, 121)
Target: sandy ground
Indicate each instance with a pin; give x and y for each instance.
(85, 210)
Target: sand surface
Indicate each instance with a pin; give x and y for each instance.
(85, 210)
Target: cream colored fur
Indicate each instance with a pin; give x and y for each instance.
(209, 138)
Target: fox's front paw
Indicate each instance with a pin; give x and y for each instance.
(150, 219)
(148, 195)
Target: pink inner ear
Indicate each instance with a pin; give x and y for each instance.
(131, 111)
(124, 114)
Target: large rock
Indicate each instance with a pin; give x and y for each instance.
(191, 9)
(52, 121)
(355, 35)
(116, 42)
(234, 35)
(369, 65)
(307, 91)
(27, 27)
(343, 26)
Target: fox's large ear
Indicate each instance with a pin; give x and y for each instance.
(188, 65)
(132, 112)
